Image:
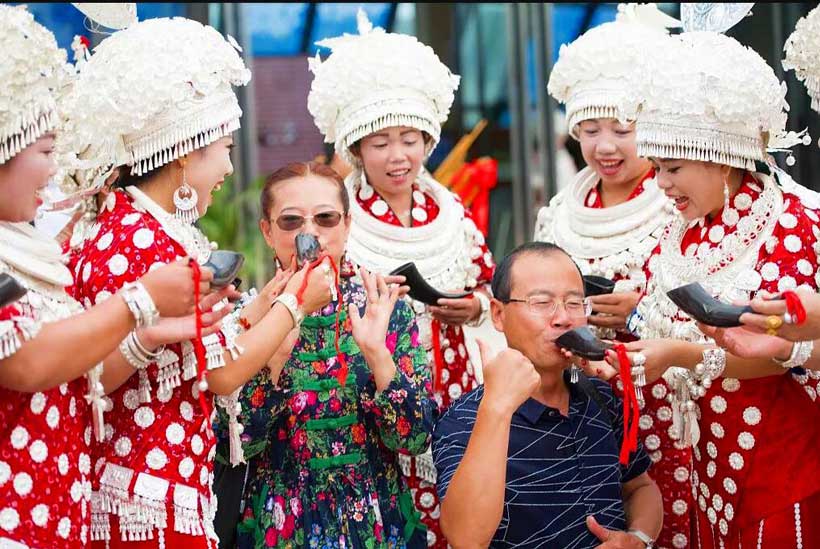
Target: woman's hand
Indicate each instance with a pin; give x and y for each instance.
(747, 342)
(766, 304)
(317, 293)
(613, 309)
(370, 330)
(177, 329)
(660, 355)
(171, 287)
(456, 311)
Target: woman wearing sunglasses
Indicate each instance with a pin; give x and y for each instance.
(162, 89)
(344, 394)
(381, 98)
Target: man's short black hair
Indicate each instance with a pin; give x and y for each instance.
(502, 279)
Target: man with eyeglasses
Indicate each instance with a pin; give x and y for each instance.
(530, 459)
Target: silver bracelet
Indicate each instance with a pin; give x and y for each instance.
(140, 304)
(714, 362)
(135, 352)
(292, 305)
(801, 352)
(484, 301)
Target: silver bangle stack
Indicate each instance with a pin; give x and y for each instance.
(714, 362)
(135, 352)
(139, 358)
(801, 352)
(140, 304)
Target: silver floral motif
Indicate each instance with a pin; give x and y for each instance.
(736, 461)
(23, 484)
(19, 438)
(746, 440)
(156, 459)
(38, 451)
(39, 514)
(752, 415)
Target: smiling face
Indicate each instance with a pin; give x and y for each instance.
(392, 158)
(548, 275)
(24, 177)
(314, 198)
(609, 148)
(207, 168)
(695, 187)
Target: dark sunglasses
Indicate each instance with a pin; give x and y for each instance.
(291, 222)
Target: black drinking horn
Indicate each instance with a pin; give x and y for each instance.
(10, 290)
(695, 301)
(307, 248)
(583, 343)
(420, 290)
(597, 285)
(225, 265)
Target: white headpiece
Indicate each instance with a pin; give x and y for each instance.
(594, 74)
(710, 98)
(150, 94)
(803, 54)
(376, 80)
(32, 70)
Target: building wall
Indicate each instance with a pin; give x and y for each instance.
(285, 129)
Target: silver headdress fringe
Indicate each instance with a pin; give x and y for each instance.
(663, 140)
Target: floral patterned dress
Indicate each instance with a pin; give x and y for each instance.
(453, 372)
(323, 468)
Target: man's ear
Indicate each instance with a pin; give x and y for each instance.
(497, 314)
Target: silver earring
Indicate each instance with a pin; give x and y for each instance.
(185, 201)
(573, 373)
(730, 215)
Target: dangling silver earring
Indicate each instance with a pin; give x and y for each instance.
(730, 215)
(185, 200)
(573, 373)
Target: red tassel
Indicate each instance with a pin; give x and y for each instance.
(199, 350)
(438, 356)
(631, 409)
(795, 307)
(341, 374)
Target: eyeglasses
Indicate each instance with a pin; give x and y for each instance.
(291, 222)
(546, 307)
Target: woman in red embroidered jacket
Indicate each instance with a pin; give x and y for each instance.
(51, 352)
(610, 218)
(750, 422)
(381, 98)
(161, 89)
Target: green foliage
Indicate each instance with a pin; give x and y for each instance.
(233, 222)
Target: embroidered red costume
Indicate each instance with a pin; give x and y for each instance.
(468, 266)
(154, 469)
(756, 479)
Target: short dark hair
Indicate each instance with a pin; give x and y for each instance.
(502, 279)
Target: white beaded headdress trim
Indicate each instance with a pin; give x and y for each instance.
(594, 73)
(376, 80)
(711, 99)
(32, 72)
(669, 140)
(185, 130)
(150, 94)
(803, 54)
